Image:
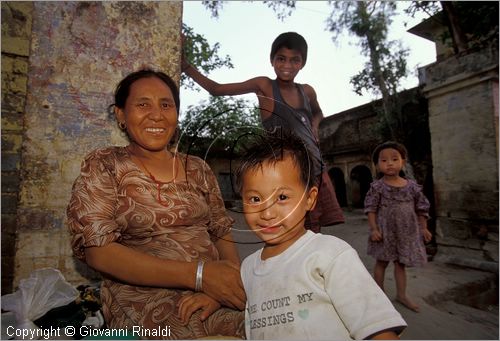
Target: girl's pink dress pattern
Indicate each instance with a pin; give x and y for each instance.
(114, 201)
(397, 211)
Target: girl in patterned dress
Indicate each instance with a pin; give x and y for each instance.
(397, 214)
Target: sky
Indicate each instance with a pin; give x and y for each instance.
(246, 30)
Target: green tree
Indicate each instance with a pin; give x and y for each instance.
(471, 24)
(386, 65)
(201, 54)
(217, 125)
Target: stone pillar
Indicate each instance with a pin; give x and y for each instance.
(462, 92)
(79, 52)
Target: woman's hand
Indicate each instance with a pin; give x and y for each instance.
(190, 303)
(222, 282)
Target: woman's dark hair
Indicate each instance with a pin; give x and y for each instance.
(272, 148)
(393, 145)
(292, 41)
(123, 88)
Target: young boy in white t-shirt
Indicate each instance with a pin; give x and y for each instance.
(302, 285)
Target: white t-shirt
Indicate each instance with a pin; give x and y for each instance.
(316, 289)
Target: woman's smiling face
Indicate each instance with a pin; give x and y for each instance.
(150, 114)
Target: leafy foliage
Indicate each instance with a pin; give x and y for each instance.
(369, 21)
(201, 54)
(393, 71)
(211, 125)
(214, 7)
(477, 19)
(282, 8)
(386, 66)
(431, 8)
(217, 125)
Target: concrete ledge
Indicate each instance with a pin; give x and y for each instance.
(470, 263)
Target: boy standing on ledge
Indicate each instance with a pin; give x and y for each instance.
(287, 106)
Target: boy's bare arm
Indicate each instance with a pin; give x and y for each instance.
(254, 85)
(317, 113)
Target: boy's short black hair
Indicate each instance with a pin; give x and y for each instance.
(274, 147)
(292, 41)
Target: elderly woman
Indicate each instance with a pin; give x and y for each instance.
(153, 223)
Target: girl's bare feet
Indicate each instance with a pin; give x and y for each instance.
(408, 303)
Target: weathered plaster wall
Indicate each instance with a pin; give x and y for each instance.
(16, 36)
(462, 111)
(351, 130)
(346, 141)
(79, 51)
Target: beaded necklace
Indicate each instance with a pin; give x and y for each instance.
(157, 182)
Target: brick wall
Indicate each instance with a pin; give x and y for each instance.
(16, 35)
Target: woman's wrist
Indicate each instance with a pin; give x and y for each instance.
(187, 278)
(198, 286)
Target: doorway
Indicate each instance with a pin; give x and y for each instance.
(361, 178)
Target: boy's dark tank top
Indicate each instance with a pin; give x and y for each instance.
(298, 121)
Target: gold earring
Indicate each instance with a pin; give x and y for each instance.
(122, 125)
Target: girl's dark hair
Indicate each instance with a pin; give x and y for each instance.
(292, 41)
(271, 147)
(393, 145)
(389, 144)
(123, 88)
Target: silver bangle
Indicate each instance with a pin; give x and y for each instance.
(199, 276)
